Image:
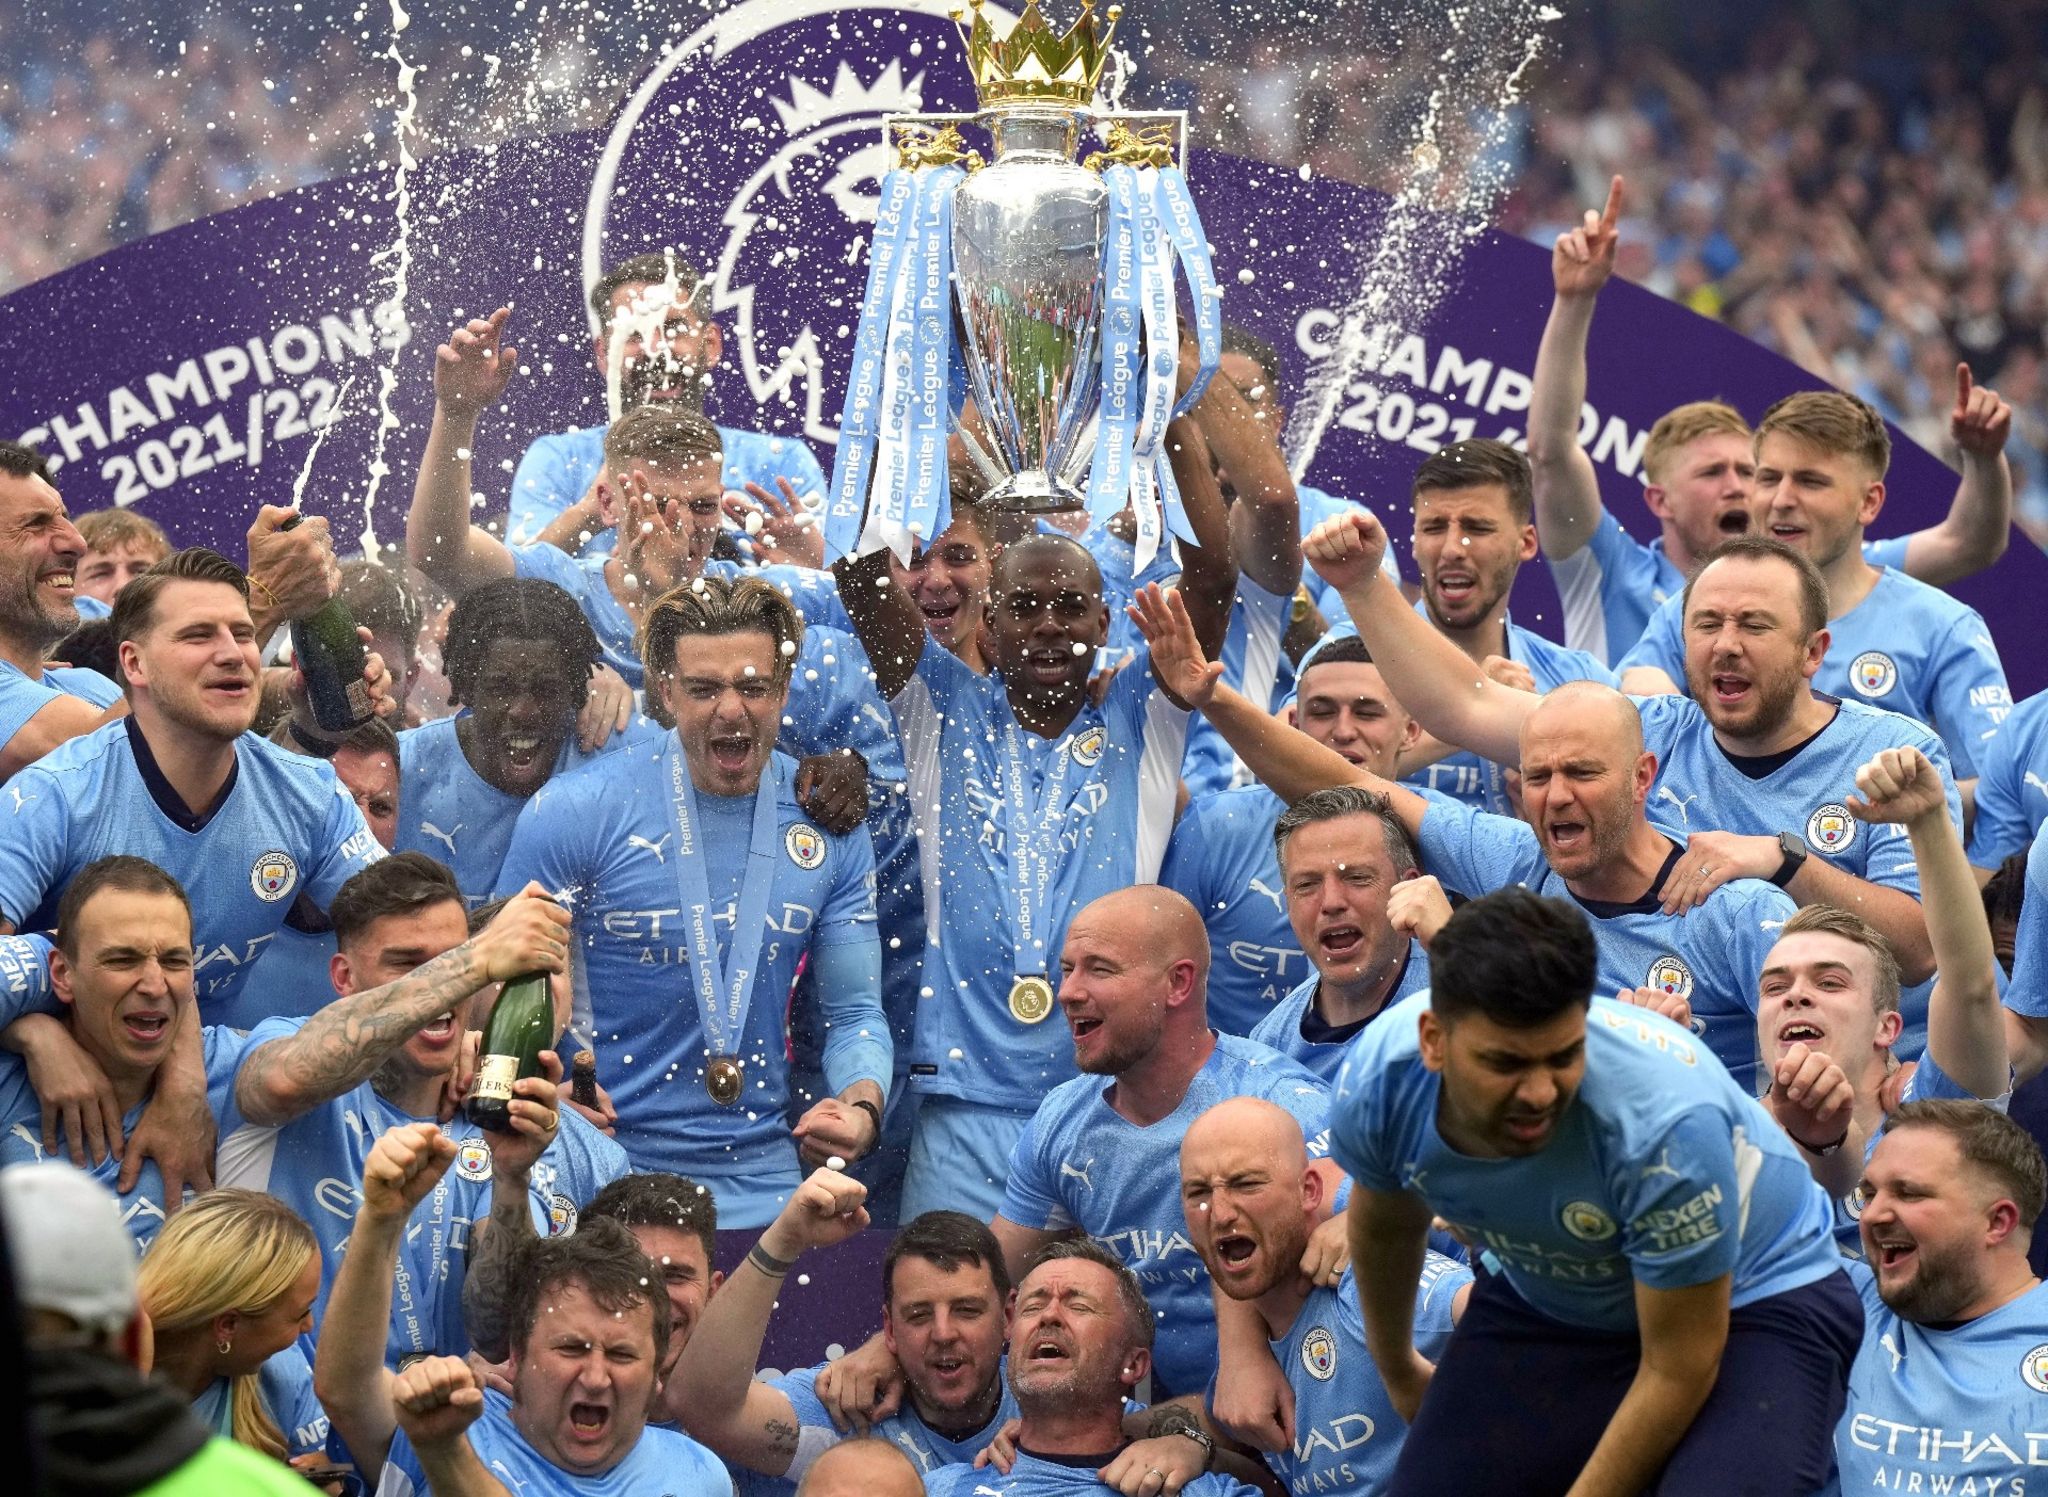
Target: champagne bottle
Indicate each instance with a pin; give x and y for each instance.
(583, 1079)
(330, 657)
(522, 1024)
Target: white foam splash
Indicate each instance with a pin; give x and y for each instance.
(319, 437)
(398, 255)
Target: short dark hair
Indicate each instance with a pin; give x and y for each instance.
(402, 884)
(656, 1199)
(1513, 957)
(948, 1240)
(91, 647)
(1077, 552)
(380, 600)
(720, 606)
(372, 737)
(1988, 1140)
(604, 1258)
(1333, 803)
(135, 605)
(649, 269)
(519, 608)
(1813, 588)
(1475, 463)
(667, 438)
(2005, 895)
(1137, 1309)
(22, 461)
(130, 875)
(1239, 339)
(1335, 648)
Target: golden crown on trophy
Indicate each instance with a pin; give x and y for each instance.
(1031, 63)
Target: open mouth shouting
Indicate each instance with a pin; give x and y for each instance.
(1730, 688)
(1234, 1251)
(1566, 836)
(1895, 1251)
(1800, 1032)
(1733, 521)
(1049, 1351)
(1049, 665)
(1340, 943)
(588, 1422)
(1456, 587)
(146, 1026)
(731, 752)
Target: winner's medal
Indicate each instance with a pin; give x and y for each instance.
(1030, 999)
(722, 1080)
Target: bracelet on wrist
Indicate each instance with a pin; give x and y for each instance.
(768, 1263)
(875, 1115)
(1822, 1151)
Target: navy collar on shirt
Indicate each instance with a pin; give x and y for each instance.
(1078, 1462)
(1316, 1032)
(1648, 904)
(1762, 766)
(167, 799)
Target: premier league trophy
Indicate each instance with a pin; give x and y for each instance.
(1065, 274)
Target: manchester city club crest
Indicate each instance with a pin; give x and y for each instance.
(1831, 828)
(806, 845)
(2034, 1368)
(473, 1159)
(561, 1215)
(1586, 1221)
(1319, 1354)
(1873, 673)
(1669, 974)
(273, 876)
(1088, 748)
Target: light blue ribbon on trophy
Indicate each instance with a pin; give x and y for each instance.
(858, 425)
(1109, 479)
(1184, 229)
(725, 990)
(888, 522)
(1153, 488)
(927, 500)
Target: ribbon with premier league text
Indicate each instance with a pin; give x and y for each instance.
(724, 989)
(927, 500)
(859, 425)
(1109, 478)
(1184, 231)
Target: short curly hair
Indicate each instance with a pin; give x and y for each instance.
(518, 608)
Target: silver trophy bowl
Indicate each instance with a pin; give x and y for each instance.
(1027, 258)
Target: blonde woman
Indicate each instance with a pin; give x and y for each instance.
(229, 1286)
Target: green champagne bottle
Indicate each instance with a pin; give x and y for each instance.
(522, 1024)
(331, 659)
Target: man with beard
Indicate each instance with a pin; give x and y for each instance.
(944, 1298)
(257, 835)
(1080, 1343)
(1893, 642)
(1474, 528)
(1699, 463)
(588, 1338)
(655, 345)
(311, 1096)
(1133, 971)
(1947, 1393)
(1032, 799)
(1222, 856)
(1667, 1289)
(1251, 1202)
(1587, 785)
(1755, 766)
(705, 820)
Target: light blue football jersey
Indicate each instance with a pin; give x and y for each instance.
(1082, 1164)
(664, 1463)
(607, 834)
(1663, 1171)
(284, 827)
(285, 1383)
(1479, 782)
(1928, 1080)
(2012, 784)
(1121, 768)
(1347, 1433)
(314, 1164)
(1296, 1032)
(1037, 1476)
(2028, 992)
(142, 1206)
(1906, 648)
(816, 1433)
(21, 698)
(1254, 664)
(1711, 956)
(1959, 1410)
(452, 814)
(1221, 858)
(557, 471)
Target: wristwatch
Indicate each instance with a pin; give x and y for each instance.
(1172, 1420)
(1795, 852)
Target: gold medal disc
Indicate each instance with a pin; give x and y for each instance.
(722, 1080)
(1030, 999)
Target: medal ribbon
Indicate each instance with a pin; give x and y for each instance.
(724, 991)
(1032, 824)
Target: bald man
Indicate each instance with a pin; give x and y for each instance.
(1104, 1159)
(1592, 834)
(861, 1468)
(1252, 1201)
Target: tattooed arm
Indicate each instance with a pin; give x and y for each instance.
(343, 1044)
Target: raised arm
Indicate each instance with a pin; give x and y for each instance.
(1965, 1022)
(1265, 520)
(1443, 690)
(1286, 760)
(1567, 487)
(1974, 532)
(471, 370)
(741, 1418)
(349, 1375)
(885, 617)
(343, 1044)
(1208, 576)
